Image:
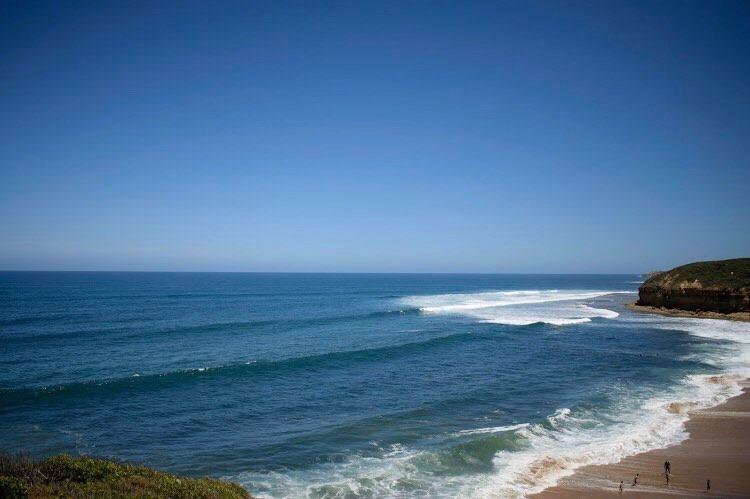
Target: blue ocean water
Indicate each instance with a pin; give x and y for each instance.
(353, 385)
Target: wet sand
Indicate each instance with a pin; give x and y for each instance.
(718, 448)
(674, 312)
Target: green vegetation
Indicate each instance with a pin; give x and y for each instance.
(727, 274)
(68, 476)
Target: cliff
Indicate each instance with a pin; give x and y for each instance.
(721, 286)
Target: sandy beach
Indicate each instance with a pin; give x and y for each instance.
(718, 449)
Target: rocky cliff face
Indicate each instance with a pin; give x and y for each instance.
(722, 286)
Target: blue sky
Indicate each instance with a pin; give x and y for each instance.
(383, 136)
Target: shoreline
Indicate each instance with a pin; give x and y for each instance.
(717, 448)
(674, 312)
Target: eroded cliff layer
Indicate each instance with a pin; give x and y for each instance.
(721, 286)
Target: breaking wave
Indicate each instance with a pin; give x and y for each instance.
(518, 308)
(524, 458)
(507, 461)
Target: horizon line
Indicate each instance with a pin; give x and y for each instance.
(306, 272)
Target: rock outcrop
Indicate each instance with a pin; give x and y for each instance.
(721, 286)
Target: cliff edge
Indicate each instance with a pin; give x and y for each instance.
(721, 286)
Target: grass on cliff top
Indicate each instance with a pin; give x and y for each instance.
(68, 476)
(731, 274)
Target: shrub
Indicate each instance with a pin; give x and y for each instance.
(85, 477)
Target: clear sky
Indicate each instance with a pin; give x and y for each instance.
(548, 136)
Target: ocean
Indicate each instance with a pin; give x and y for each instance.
(353, 385)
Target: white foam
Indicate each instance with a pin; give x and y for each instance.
(733, 356)
(558, 417)
(356, 477)
(571, 441)
(494, 429)
(563, 442)
(518, 308)
(575, 441)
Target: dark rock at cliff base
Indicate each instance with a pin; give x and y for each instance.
(722, 286)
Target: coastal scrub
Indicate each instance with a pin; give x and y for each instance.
(69, 476)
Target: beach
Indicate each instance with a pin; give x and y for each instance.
(717, 449)
(359, 385)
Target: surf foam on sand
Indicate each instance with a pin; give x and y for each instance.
(545, 452)
(529, 457)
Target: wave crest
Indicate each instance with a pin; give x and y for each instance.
(506, 461)
(518, 308)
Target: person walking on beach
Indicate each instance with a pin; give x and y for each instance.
(667, 467)
(635, 480)
(621, 482)
(708, 485)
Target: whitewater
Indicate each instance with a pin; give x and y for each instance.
(345, 385)
(518, 307)
(545, 451)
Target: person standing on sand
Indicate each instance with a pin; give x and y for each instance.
(667, 467)
(635, 480)
(708, 485)
(621, 482)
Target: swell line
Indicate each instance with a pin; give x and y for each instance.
(235, 370)
(124, 333)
